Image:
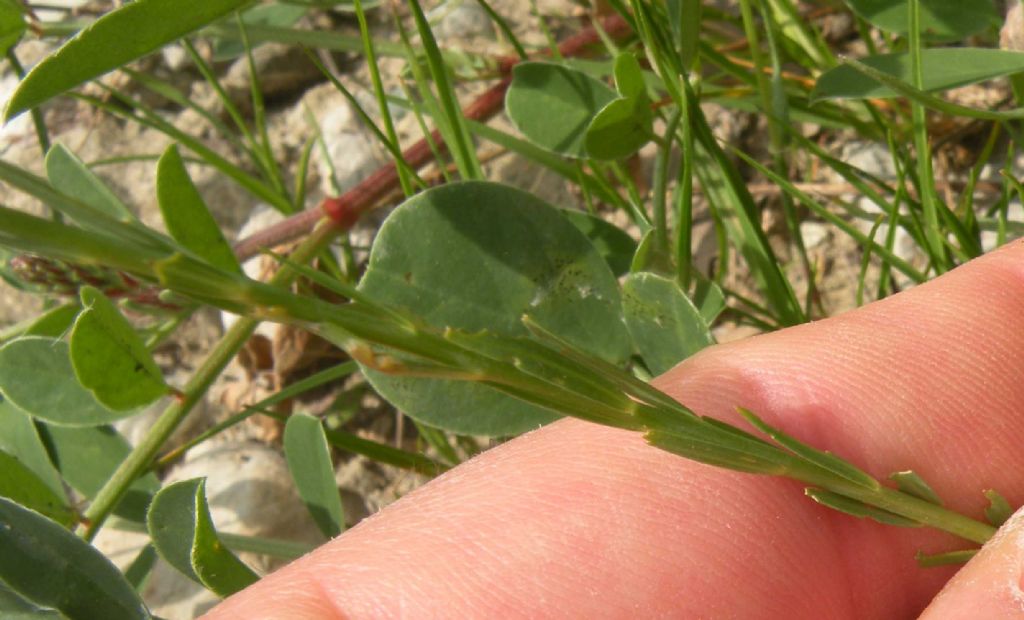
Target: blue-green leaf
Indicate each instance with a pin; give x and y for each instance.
(110, 359)
(187, 217)
(50, 567)
(56, 322)
(553, 105)
(309, 459)
(20, 484)
(665, 325)
(117, 38)
(611, 242)
(69, 175)
(947, 20)
(942, 69)
(19, 437)
(36, 375)
(619, 129)
(479, 256)
(14, 607)
(629, 77)
(183, 533)
(88, 456)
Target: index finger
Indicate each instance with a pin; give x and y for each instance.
(579, 520)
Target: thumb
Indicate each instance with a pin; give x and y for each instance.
(991, 585)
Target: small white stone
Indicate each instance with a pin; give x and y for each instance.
(814, 233)
(461, 19)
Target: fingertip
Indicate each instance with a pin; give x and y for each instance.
(991, 585)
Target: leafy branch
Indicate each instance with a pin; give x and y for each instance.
(544, 370)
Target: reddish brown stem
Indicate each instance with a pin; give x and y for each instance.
(344, 210)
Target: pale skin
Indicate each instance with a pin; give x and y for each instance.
(576, 520)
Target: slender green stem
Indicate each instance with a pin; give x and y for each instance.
(138, 460)
(42, 135)
(324, 376)
(382, 104)
(919, 510)
(660, 190)
(684, 192)
(929, 200)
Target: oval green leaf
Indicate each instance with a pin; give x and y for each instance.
(117, 38)
(479, 256)
(20, 484)
(110, 359)
(87, 457)
(56, 322)
(629, 77)
(946, 20)
(619, 129)
(309, 460)
(183, 533)
(942, 69)
(69, 175)
(49, 566)
(15, 607)
(553, 105)
(665, 325)
(186, 215)
(19, 438)
(611, 242)
(36, 375)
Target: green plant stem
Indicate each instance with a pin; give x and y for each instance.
(42, 135)
(378, 90)
(684, 193)
(138, 460)
(916, 509)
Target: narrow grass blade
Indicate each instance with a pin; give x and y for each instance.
(82, 213)
(897, 262)
(857, 509)
(711, 452)
(964, 556)
(998, 510)
(912, 484)
(459, 143)
(825, 460)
